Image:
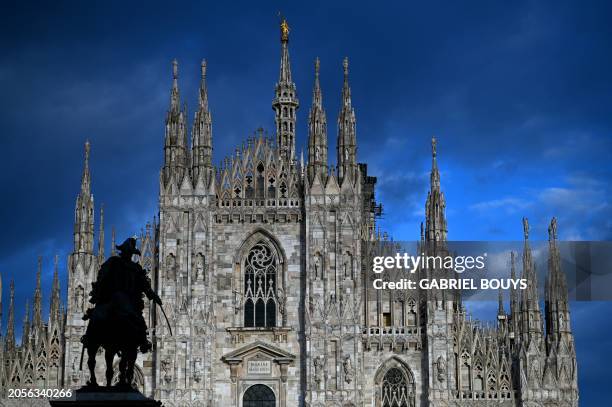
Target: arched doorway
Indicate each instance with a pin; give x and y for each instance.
(259, 395)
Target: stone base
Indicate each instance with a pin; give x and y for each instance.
(106, 396)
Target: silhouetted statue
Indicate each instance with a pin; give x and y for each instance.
(116, 322)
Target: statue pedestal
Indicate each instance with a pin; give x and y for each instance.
(104, 396)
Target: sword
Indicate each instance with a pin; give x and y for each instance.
(82, 353)
(165, 316)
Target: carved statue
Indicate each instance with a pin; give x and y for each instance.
(552, 229)
(197, 370)
(79, 296)
(75, 370)
(349, 371)
(199, 267)
(282, 300)
(171, 267)
(441, 367)
(284, 30)
(319, 363)
(434, 143)
(166, 373)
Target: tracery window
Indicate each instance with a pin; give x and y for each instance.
(478, 380)
(260, 286)
(395, 389)
(464, 371)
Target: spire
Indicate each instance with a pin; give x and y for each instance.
(317, 132)
(175, 97)
(101, 236)
(285, 70)
(500, 303)
(86, 178)
(55, 294)
(203, 96)
(346, 89)
(317, 97)
(25, 336)
(201, 135)
(514, 310)
(37, 308)
(435, 218)
(531, 319)
(84, 216)
(113, 245)
(556, 300)
(175, 144)
(285, 102)
(434, 177)
(347, 138)
(10, 330)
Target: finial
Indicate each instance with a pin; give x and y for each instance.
(317, 66)
(526, 228)
(174, 69)
(203, 66)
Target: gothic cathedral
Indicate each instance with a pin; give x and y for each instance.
(260, 263)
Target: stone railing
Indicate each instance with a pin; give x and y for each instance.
(395, 337)
(481, 395)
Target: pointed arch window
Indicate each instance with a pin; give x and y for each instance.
(260, 183)
(260, 286)
(396, 391)
(464, 371)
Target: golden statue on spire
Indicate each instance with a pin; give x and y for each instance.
(284, 27)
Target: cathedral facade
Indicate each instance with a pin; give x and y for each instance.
(261, 266)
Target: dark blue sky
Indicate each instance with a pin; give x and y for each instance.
(519, 98)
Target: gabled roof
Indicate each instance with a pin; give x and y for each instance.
(272, 351)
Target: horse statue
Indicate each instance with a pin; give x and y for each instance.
(116, 323)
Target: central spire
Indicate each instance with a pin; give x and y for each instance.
(285, 71)
(285, 103)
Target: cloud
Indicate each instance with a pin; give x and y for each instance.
(508, 204)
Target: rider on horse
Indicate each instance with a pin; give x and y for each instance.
(116, 321)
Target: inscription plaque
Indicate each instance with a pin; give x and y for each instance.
(259, 367)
